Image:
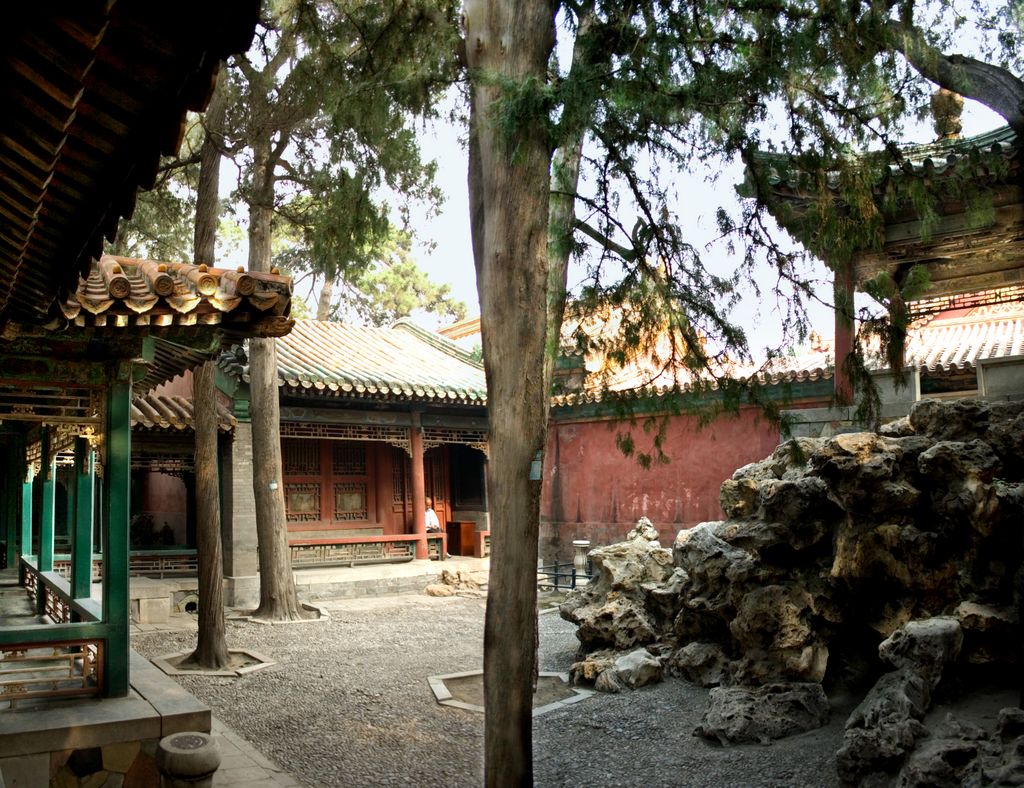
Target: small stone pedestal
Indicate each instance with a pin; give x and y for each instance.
(187, 760)
(579, 560)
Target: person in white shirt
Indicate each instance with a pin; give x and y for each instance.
(433, 524)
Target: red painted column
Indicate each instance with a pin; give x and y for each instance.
(842, 287)
(419, 495)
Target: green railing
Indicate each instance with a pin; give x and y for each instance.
(59, 659)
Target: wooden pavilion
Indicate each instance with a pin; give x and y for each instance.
(954, 208)
(374, 421)
(93, 94)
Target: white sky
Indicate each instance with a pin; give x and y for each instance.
(450, 259)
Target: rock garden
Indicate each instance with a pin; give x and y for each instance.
(883, 564)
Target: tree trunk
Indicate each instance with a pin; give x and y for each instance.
(509, 190)
(207, 196)
(323, 305)
(211, 647)
(278, 598)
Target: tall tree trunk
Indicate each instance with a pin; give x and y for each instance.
(510, 41)
(211, 647)
(207, 194)
(323, 304)
(278, 598)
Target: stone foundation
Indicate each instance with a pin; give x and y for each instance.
(90, 742)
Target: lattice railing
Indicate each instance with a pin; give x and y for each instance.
(351, 553)
(348, 551)
(158, 562)
(60, 670)
(56, 606)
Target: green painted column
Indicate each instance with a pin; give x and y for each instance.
(12, 498)
(116, 514)
(81, 524)
(48, 473)
(25, 546)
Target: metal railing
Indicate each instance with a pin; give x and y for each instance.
(560, 575)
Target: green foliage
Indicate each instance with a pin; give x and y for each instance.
(825, 87)
(323, 121)
(393, 287)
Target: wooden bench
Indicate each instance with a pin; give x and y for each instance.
(352, 550)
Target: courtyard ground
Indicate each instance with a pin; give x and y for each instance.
(348, 704)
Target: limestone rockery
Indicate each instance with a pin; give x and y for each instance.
(880, 563)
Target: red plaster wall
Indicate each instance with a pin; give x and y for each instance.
(592, 491)
(164, 498)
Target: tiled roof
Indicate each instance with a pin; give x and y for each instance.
(962, 250)
(121, 292)
(403, 362)
(929, 160)
(92, 95)
(941, 344)
(160, 412)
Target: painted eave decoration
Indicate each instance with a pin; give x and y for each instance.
(964, 248)
(400, 363)
(121, 292)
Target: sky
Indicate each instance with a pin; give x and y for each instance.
(443, 247)
(450, 258)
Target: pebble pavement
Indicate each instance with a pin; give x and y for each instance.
(348, 704)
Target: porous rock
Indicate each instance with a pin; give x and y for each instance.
(925, 647)
(622, 606)
(629, 671)
(701, 663)
(884, 727)
(952, 756)
(829, 547)
(737, 714)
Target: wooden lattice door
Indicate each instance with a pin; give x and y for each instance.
(437, 485)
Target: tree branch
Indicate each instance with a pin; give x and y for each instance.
(605, 241)
(992, 85)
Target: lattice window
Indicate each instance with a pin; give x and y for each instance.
(300, 458)
(302, 502)
(349, 459)
(399, 477)
(350, 501)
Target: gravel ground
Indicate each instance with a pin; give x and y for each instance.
(348, 704)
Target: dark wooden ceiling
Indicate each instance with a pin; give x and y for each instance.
(92, 93)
